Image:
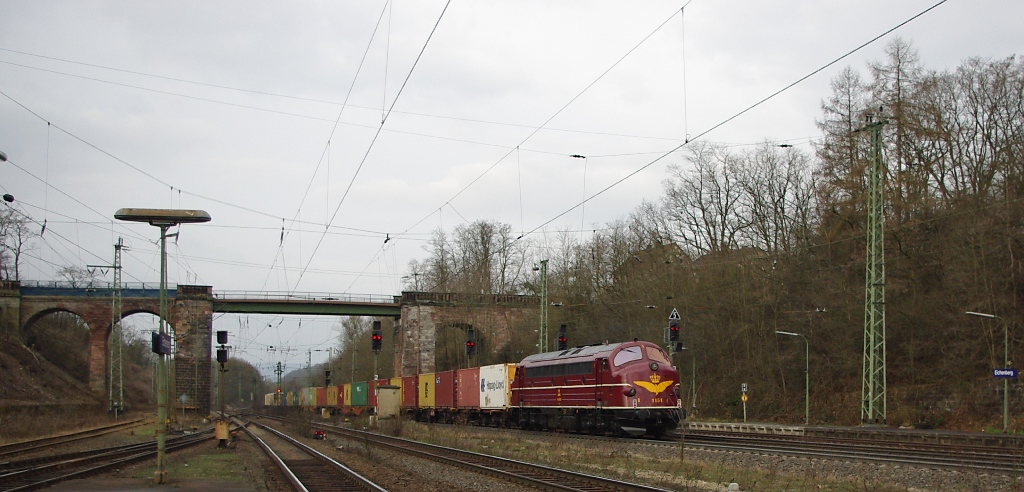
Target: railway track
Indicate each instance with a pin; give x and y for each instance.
(41, 472)
(26, 446)
(925, 455)
(541, 477)
(947, 456)
(304, 467)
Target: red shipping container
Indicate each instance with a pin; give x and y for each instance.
(468, 388)
(444, 388)
(321, 397)
(410, 393)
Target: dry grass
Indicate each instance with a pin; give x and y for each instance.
(629, 462)
(18, 423)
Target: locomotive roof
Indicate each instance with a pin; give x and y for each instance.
(588, 352)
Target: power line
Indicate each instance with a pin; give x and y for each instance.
(335, 103)
(372, 142)
(164, 183)
(326, 150)
(738, 114)
(535, 130)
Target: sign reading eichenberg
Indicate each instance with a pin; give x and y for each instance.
(1005, 373)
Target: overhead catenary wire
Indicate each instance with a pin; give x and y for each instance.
(537, 129)
(721, 123)
(358, 125)
(376, 135)
(161, 181)
(326, 150)
(739, 113)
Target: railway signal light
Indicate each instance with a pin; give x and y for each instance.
(376, 339)
(563, 341)
(673, 331)
(470, 343)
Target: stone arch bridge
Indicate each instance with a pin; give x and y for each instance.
(418, 316)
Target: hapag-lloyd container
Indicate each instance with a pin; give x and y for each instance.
(496, 386)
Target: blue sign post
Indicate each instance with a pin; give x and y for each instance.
(1005, 373)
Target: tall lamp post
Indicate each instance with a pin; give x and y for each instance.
(7, 196)
(164, 219)
(807, 374)
(1006, 362)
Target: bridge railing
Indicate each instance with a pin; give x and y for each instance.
(64, 284)
(231, 295)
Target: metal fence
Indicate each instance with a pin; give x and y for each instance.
(305, 296)
(220, 294)
(64, 284)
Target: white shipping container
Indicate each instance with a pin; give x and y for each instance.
(496, 386)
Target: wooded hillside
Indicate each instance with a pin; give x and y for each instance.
(744, 241)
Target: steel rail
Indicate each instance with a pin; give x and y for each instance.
(89, 467)
(351, 475)
(543, 477)
(949, 457)
(25, 446)
(292, 479)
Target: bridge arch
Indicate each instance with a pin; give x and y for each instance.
(63, 338)
(425, 315)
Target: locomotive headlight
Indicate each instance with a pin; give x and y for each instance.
(676, 390)
(629, 392)
(654, 366)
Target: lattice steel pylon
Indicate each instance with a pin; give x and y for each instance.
(116, 337)
(872, 410)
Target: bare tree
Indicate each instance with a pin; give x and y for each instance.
(77, 276)
(15, 237)
(702, 206)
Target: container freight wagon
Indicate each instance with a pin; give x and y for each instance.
(332, 397)
(427, 392)
(410, 395)
(467, 390)
(321, 398)
(359, 397)
(437, 397)
(495, 392)
(308, 398)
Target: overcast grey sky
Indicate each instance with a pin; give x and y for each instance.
(230, 107)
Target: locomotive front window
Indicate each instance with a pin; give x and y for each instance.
(573, 369)
(628, 354)
(658, 355)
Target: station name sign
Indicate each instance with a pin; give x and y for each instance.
(1005, 373)
(161, 343)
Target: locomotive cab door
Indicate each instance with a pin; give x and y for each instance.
(601, 376)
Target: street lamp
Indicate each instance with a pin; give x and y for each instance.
(807, 374)
(9, 198)
(1006, 361)
(164, 219)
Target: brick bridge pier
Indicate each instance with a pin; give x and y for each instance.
(190, 316)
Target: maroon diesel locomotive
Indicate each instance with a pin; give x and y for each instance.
(626, 387)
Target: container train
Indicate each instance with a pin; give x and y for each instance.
(628, 388)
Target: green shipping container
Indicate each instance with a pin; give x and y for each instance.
(359, 394)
